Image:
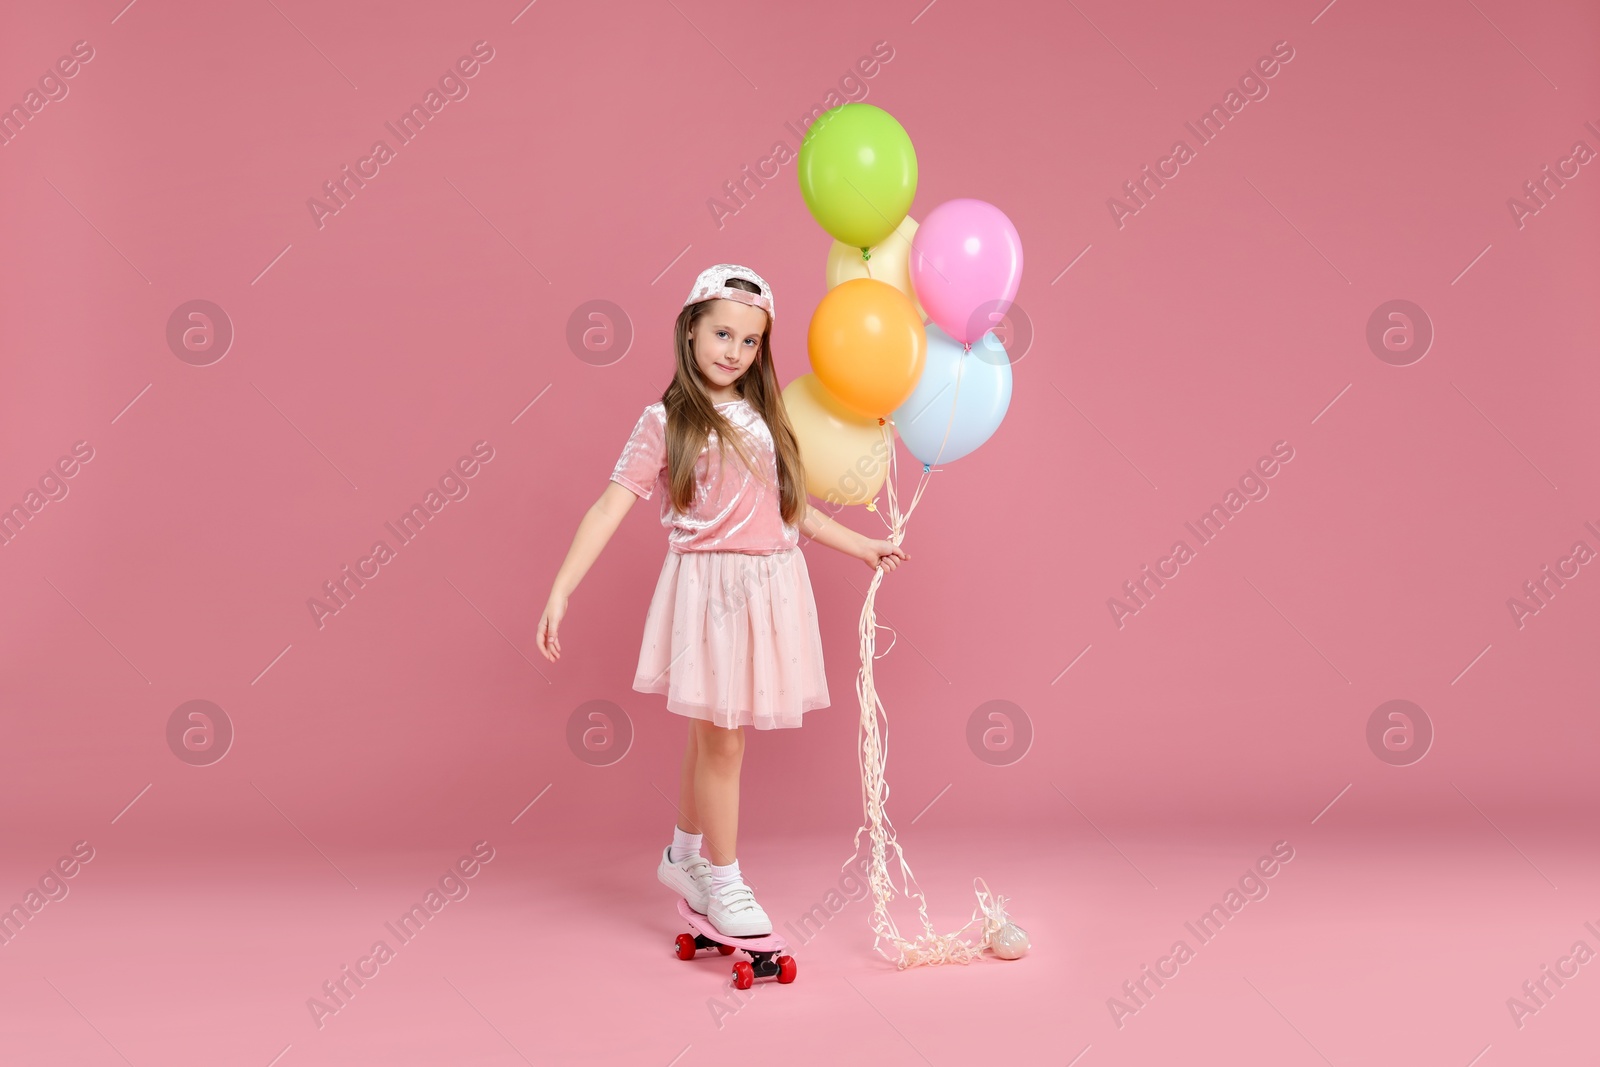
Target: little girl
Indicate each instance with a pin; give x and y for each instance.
(731, 635)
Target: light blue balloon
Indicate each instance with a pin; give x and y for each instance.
(972, 414)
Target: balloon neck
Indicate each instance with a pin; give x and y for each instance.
(866, 253)
(966, 346)
(925, 468)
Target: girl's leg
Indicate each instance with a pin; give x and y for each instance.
(719, 754)
(688, 812)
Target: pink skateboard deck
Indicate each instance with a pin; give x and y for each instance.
(766, 952)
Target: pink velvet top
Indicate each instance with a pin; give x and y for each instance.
(732, 510)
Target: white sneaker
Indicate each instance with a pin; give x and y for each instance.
(690, 878)
(735, 912)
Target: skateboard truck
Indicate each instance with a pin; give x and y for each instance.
(767, 956)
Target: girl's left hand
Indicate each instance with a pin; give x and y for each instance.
(883, 554)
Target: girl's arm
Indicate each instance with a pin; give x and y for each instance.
(822, 529)
(596, 528)
(599, 523)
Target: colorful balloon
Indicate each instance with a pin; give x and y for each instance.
(966, 265)
(846, 455)
(890, 262)
(867, 345)
(970, 414)
(858, 173)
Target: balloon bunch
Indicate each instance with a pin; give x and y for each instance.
(892, 340)
(891, 347)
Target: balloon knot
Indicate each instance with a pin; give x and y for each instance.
(866, 253)
(924, 468)
(872, 505)
(880, 420)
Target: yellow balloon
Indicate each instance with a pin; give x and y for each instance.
(890, 262)
(846, 455)
(867, 345)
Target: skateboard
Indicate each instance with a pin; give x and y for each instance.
(765, 952)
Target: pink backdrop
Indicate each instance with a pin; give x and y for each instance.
(1172, 347)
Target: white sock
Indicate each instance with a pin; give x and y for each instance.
(684, 844)
(723, 877)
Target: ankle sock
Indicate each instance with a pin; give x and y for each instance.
(684, 844)
(723, 877)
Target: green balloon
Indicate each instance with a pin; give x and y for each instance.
(858, 173)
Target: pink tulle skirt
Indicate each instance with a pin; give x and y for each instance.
(732, 638)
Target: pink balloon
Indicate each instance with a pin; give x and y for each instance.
(966, 265)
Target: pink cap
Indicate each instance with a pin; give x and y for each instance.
(713, 285)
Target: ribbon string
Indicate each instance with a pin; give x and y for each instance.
(930, 947)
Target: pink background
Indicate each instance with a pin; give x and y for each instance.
(428, 314)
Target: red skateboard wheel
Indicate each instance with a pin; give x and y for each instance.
(726, 950)
(685, 945)
(744, 975)
(786, 969)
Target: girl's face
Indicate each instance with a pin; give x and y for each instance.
(726, 341)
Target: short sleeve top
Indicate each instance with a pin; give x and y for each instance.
(732, 510)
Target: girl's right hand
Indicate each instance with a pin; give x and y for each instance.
(549, 643)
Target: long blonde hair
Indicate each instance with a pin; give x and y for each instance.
(691, 417)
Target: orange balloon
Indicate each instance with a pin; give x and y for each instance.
(867, 345)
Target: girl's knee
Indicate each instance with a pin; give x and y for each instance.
(717, 742)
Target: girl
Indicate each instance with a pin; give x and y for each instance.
(731, 635)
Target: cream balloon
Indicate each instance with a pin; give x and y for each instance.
(845, 454)
(890, 262)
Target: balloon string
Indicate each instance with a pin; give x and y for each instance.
(930, 947)
(961, 366)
